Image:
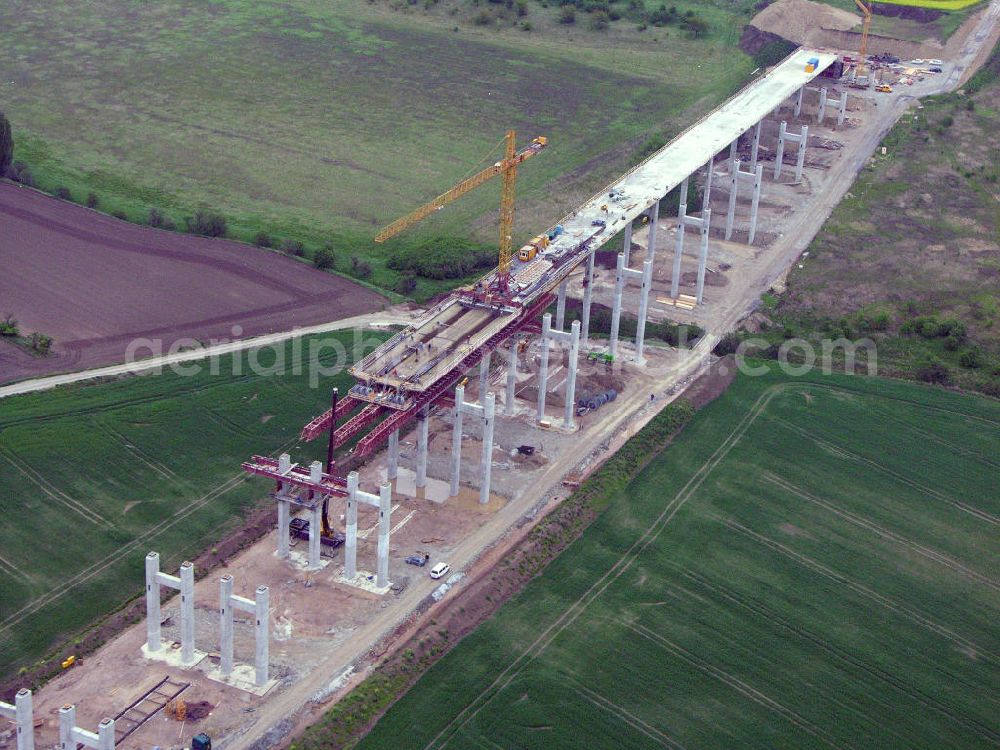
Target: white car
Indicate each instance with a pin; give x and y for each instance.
(918, 61)
(934, 62)
(440, 569)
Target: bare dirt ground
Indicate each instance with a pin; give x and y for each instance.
(95, 284)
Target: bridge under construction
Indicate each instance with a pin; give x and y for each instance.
(422, 365)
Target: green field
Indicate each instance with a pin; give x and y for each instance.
(322, 120)
(812, 563)
(92, 477)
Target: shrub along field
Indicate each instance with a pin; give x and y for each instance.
(94, 476)
(306, 121)
(813, 562)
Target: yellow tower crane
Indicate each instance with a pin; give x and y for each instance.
(507, 168)
(866, 25)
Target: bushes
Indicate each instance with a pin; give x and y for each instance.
(158, 220)
(933, 370)
(293, 247)
(567, 14)
(6, 144)
(360, 268)
(407, 284)
(443, 259)
(8, 327)
(263, 239)
(63, 193)
(206, 223)
(324, 258)
(92, 200)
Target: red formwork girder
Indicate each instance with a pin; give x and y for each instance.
(357, 423)
(297, 475)
(370, 442)
(321, 424)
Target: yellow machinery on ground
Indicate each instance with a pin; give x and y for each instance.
(507, 167)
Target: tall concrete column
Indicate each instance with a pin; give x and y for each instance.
(588, 289)
(640, 331)
(486, 466)
(384, 516)
(842, 109)
(187, 613)
(798, 102)
(675, 274)
(543, 369)
(351, 542)
(703, 251)
(758, 179)
(801, 159)
(732, 153)
(574, 357)
(780, 154)
(561, 305)
(225, 626)
(284, 511)
(67, 723)
(456, 441)
(261, 620)
(393, 471)
(423, 425)
(755, 147)
(654, 225)
(25, 720)
(616, 308)
(315, 532)
(484, 371)
(627, 243)
(821, 113)
(153, 617)
(509, 395)
(706, 200)
(734, 186)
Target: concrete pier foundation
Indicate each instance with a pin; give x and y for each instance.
(798, 102)
(821, 112)
(755, 179)
(70, 735)
(422, 434)
(487, 413)
(382, 501)
(543, 367)
(840, 104)
(561, 305)
(755, 146)
(588, 284)
(802, 139)
(484, 368)
(486, 463)
(509, 395)
(184, 583)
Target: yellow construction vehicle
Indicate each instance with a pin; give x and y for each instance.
(884, 88)
(507, 167)
(530, 250)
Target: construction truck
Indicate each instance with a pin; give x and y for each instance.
(884, 88)
(532, 248)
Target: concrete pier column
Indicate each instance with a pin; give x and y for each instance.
(588, 285)
(106, 734)
(543, 368)
(284, 511)
(456, 440)
(706, 200)
(640, 331)
(616, 308)
(284, 463)
(758, 179)
(780, 154)
(574, 357)
(225, 625)
(654, 225)
(675, 274)
(187, 613)
(732, 154)
(755, 147)
(703, 250)
(423, 425)
(262, 607)
(627, 243)
(384, 524)
(153, 618)
(509, 395)
(798, 102)
(486, 466)
(561, 306)
(821, 113)
(351, 542)
(734, 186)
(315, 532)
(842, 109)
(24, 719)
(801, 160)
(67, 723)
(392, 472)
(484, 371)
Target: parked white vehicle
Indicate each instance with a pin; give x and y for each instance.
(440, 569)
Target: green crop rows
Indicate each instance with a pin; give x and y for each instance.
(812, 563)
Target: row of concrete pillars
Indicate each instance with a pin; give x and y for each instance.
(228, 602)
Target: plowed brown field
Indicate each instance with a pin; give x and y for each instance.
(95, 284)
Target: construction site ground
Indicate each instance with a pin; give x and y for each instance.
(325, 634)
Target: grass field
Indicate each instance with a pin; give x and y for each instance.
(812, 563)
(92, 477)
(322, 121)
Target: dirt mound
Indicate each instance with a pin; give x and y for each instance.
(803, 21)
